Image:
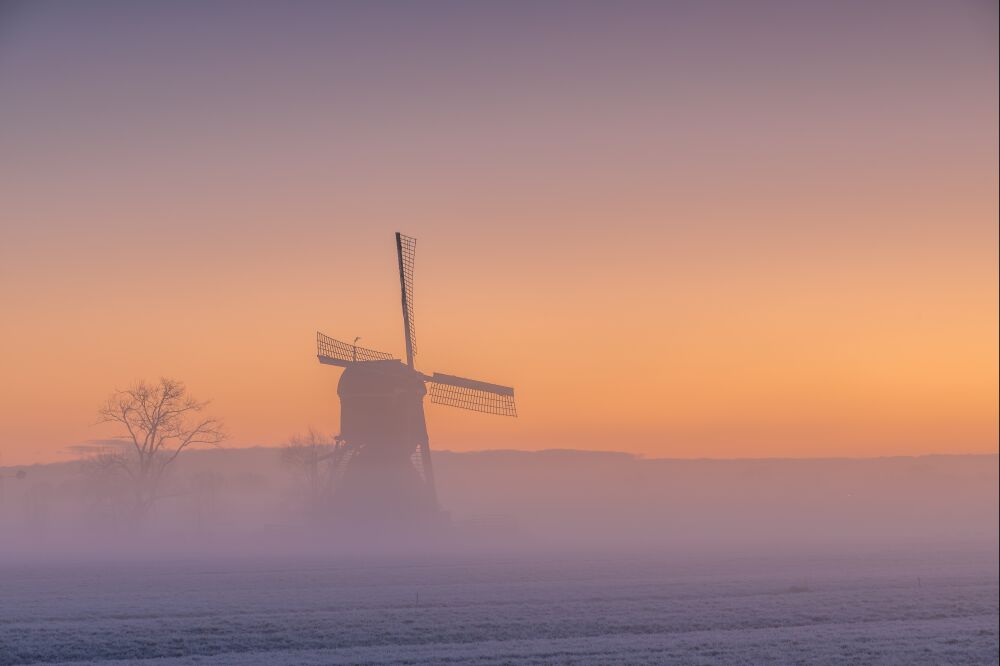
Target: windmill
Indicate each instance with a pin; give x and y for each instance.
(382, 464)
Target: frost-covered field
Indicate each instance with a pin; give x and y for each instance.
(899, 609)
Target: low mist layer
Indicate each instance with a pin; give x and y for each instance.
(250, 501)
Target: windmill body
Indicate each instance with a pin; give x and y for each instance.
(384, 434)
(382, 465)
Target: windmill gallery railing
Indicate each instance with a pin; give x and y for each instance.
(336, 350)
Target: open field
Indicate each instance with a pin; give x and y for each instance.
(882, 608)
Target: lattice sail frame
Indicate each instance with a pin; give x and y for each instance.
(344, 351)
(407, 256)
(472, 395)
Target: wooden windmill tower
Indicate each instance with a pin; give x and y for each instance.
(383, 465)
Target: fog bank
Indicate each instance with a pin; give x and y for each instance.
(246, 501)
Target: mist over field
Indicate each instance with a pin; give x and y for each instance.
(549, 557)
(215, 501)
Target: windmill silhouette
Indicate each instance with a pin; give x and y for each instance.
(382, 463)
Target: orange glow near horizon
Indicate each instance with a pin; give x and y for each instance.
(816, 276)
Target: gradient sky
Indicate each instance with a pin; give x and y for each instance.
(692, 229)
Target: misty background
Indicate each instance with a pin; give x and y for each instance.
(224, 500)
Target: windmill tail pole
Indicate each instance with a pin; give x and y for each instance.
(406, 306)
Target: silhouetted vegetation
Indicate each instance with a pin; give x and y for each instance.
(158, 422)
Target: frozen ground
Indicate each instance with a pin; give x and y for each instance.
(916, 608)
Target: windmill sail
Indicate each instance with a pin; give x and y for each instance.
(405, 250)
(472, 394)
(335, 352)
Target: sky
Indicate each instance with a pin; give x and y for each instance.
(678, 229)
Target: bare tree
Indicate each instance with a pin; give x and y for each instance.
(160, 420)
(313, 457)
